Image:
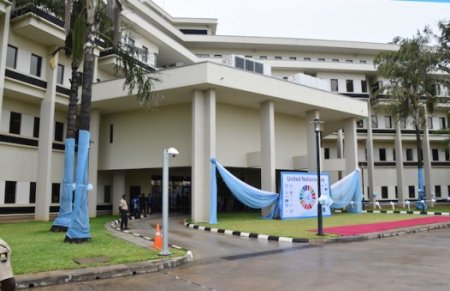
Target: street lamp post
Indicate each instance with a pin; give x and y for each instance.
(165, 189)
(317, 123)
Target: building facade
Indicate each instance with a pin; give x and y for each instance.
(247, 101)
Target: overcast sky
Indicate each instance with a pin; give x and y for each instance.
(358, 20)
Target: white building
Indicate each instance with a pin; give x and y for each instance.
(247, 101)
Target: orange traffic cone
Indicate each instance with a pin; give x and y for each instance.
(157, 243)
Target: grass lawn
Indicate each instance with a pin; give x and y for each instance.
(299, 228)
(36, 249)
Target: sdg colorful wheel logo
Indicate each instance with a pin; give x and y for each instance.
(307, 197)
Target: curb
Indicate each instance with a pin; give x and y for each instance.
(102, 272)
(339, 239)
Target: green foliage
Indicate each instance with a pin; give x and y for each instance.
(55, 7)
(36, 249)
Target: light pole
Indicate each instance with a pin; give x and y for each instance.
(173, 152)
(317, 123)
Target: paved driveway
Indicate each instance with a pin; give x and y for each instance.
(411, 262)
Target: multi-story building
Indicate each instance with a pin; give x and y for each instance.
(247, 101)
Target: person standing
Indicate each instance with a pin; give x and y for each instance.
(123, 209)
(142, 204)
(7, 281)
(149, 203)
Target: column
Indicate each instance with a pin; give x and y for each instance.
(340, 149)
(351, 146)
(93, 162)
(44, 159)
(429, 188)
(203, 149)
(311, 140)
(4, 35)
(370, 161)
(268, 168)
(118, 189)
(399, 164)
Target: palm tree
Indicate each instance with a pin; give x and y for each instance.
(410, 91)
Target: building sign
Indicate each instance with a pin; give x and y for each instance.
(299, 194)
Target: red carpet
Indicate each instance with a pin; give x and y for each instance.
(382, 226)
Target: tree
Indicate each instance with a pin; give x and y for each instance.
(444, 65)
(411, 88)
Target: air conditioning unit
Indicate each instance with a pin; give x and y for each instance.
(310, 81)
(247, 64)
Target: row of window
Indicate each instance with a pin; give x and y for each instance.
(442, 121)
(290, 58)
(11, 193)
(35, 64)
(15, 123)
(412, 191)
(334, 86)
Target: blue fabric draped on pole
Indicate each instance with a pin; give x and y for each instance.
(65, 209)
(422, 206)
(347, 193)
(248, 195)
(79, 228)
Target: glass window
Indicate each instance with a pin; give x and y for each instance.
(396, 192)
(349, 61)
(360, 123)
(388, 122)
(60, 74)
(384, 192)
(239, 63)
(249, 65)
(35, 65)
(10, 192)
(393, 155)
(374, 121)
(55, 192)
(107, 194)
(292, 58)
(259, 68)
(443, 123)
(382, 153)
(335, 60)
(411, 191)
(307, 58)
(263, 57)
(326, 154)
(59, 131)
(430, 122)
(15, 120)
(11, 57)
(364, 86)
(321, 59)
(363, 61)
(334, 85)
(144, 54)
(409, 155)
(278, 58)
(349, 85)
(32, 192)
(36, 127)
(437, 191)
(447, 155)
(435, 154)
(111, 133)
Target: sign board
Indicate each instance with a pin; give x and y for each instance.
(299, 194)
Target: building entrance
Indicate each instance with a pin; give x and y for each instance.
(179, 194)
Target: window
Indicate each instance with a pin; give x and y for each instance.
(10, 192)
(403, 123)
(321, 59)
(334, 85)
(11, 57)
(447, 155)
(60, 74)
(430, 122)
(442, 122)
(387, 122)
(335, 60)
(349, 61)
(382, 153)
(218, 56)
(239, 63)
(411, 191)
(364, 86)
(393, 155)
(307, 59)
(360, 123)
(32, 192)
(144, 54)
(396, 192)
(374, 121)
(249, 65)
(35, 65)
(362, 61)
(437, 191)
(349, 85)
(278, 58)
(292, 58)
(36, 127)
(384, 192)
(326, 154)
(259, 68)
(15, 120)
(248, 56)
(263, 57)
(111, 133)
(409, 155)
(107, 194)
(55, 192)
(59, 131)
(435, 154)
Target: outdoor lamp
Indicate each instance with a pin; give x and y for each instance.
(317, 124)
(165, 189)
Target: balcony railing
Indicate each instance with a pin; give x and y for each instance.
(39, 11)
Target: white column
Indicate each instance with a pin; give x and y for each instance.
(399, 164)
(340, 149)
(268, 168)
(351, 145)
(118, 189)
(370, 161)
(46, 136)
(203, 149)
(4, 35)
(429, 187)
(94, 129)
(311, 140)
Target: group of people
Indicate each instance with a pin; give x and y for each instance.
(139, 206)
